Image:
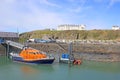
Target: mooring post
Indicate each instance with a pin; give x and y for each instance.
(70, 51)
(7, 50)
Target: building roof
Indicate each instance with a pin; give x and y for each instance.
(9, 34)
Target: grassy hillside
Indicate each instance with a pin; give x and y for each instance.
(75, 34)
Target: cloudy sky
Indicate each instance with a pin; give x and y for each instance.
(28, 15)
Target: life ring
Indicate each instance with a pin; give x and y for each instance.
(77, 62)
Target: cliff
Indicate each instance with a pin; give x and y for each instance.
(73, 35)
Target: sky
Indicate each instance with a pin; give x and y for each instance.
(29, 15)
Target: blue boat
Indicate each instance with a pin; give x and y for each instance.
(65, 58)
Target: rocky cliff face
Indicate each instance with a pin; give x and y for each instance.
(74, 35)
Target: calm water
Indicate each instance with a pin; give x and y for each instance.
(89, 70)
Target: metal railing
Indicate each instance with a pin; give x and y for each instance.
(14, 44)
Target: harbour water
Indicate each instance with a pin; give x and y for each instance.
(89, 70)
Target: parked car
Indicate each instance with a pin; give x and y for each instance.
(51, 41)
(40, 41)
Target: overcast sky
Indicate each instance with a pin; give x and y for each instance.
(28, 15)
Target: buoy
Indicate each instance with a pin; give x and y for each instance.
(77, 62)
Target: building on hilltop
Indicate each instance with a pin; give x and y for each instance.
(115, 28)
(71, 27)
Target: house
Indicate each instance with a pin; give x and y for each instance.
(115, 28)
(71, 27)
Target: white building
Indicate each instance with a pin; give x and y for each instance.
(71, 27)
(115, 28)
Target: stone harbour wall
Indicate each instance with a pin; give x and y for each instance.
(95, 52)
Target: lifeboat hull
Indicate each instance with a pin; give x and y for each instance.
(38, 61)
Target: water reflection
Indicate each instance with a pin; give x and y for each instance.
(108, 67)
(4, 61)
(28, 70)
(31, 72)
(57, 71)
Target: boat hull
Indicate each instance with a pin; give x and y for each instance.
(64, 61)
(67, 61)
(39, 61)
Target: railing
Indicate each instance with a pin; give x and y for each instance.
(14, 44)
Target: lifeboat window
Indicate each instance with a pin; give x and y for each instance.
(32, 53)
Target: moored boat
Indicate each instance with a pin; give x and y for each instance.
(65, 58)
(30, 55)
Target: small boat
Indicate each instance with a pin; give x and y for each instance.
(65, 58)
(69, 58)
(30, 55)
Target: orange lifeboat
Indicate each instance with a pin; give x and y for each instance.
(30, 55)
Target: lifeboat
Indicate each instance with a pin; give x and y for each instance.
(30, 55)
